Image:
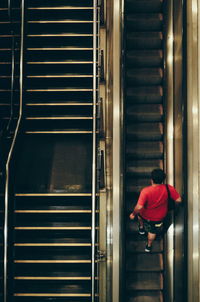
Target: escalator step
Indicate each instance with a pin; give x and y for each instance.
(143, 58)
(144, 77)
(142, 168)
(145, 263)
(145, 281)
(145, 296)
(139, 246)
(144, 131)
(144, 22)
(143, 40)
(144, 113)
(144, 94)
(150, 6)
(145, 150)
(135, 185)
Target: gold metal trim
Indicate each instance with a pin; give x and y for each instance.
(52, 261)
(52, 228)
(60, 118)
(51, 295)
(7, 36)
(60, 21)
(58, 132)
(59, 104)
(60, 35)
(53, 194)
(59, 62)
(64, 89)
(52, 244)
(52, 278)
(59, 48)
(62, 76)
(52, 211)
(61, 7)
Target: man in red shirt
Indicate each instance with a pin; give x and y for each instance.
(152, 206)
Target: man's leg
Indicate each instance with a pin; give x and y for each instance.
(151, 237)
(141, 226)
(141, 222)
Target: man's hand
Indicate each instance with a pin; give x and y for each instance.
(132, 216)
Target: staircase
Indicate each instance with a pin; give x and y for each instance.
(144, 139)
(53, 213)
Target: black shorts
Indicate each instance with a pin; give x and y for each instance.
(154, 227)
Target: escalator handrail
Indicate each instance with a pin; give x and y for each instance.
(10, 156)
(93, 235)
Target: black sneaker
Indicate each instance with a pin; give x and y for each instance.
(141, 230)
(148, 248)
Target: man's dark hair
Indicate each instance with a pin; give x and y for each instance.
(158, 176)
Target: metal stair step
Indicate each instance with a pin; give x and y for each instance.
(145, 150)
(133, 246)
(144, 40)
(144, 94)
(144, 131)
(144, 58)
(142, 168)
(144, 281)
(145, 296)
(144, 76)
(145, 263)
(145, 6)
(144, 113)
(144, 22)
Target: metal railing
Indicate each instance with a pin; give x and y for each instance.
(12, 67)
(8, 163)
(94, 146)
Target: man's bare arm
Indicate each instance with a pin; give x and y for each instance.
(178, 200)
(136, 210)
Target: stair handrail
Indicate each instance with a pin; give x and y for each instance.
(5, 269)
(12, 67)
(94, 149)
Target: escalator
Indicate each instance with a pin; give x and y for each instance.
(53, 242)
(144, 139)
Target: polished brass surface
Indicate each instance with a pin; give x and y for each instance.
(51, 295)
(193, 143)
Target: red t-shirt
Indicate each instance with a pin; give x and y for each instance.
(154, 201)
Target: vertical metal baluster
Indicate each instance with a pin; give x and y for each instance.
(94, 147)
(9, 159)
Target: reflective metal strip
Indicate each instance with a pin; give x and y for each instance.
(60, 48)
(59, 62)
(52, 261)
(52, 244)
(59, 104)
(60, 21)
(52, 211)
(50, 295)
(61, 7)
(52, 228)
(52, 278)
(64, 89)
(53, 194)
(60, 35)
(58, 132)
(60, 118)
(60, 76)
